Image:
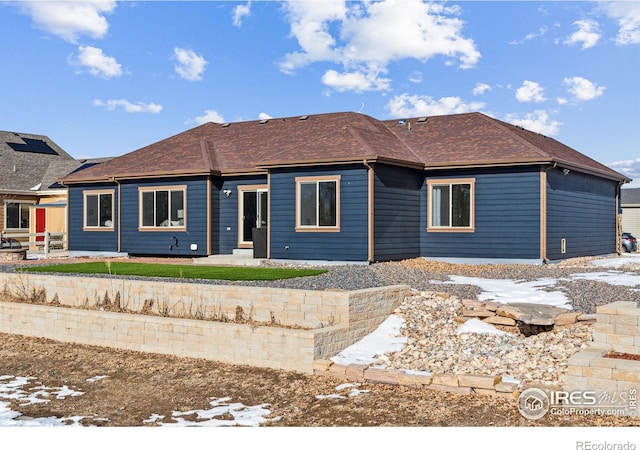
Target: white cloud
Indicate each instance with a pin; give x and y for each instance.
(112, 104)
(240, 12)
(630, 168)
(530, 91)
(415, 77)
(406, 105)
(588, 34)
(481, 88)
(365, 37)
(627, 14)
(582, 89)
(541, 32)
(98, 64)
(72, 19)
(355, 81)
(210, 115)
(190, 66)
(264, 116)
(537, 121)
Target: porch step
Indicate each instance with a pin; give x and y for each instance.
(238, 258)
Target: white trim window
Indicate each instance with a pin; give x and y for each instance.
(98, 210)
(163, 207)
(16, 215)
(451, 205)
(318, 203)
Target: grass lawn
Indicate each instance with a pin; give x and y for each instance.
(177, 271)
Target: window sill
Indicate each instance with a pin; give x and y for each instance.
(167, 229)
(317, 229)
(451, 230)
(98, 229)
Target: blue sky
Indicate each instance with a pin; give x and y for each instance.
(103, 78)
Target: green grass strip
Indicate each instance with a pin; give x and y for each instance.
(177, 271)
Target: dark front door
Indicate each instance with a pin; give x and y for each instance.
(254, 214)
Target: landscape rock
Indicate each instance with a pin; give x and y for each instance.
(531, 313)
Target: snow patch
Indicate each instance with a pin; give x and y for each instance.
(478, 326)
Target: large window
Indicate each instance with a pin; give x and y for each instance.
(16, 215)
(318, 203)
(451, 205)
(98, 210)
(162, 207)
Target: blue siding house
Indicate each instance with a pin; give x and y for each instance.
(348, 187)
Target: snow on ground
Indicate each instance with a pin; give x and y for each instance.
(614, 277)
(217, 415)
(478, 326)
(352, 393)
(387, 338)
(28, 391)
(631, 258)
(514, 291)
(18, 388)
(96, 378)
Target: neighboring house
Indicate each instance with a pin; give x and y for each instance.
(348, 187)
(630, 204)
(31, 200)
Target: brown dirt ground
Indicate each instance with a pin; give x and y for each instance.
(141, 384)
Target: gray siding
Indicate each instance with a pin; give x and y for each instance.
(397, 212)
(80, 240)
(581, 209)
(161, 242)
(507, 217)
(350, 244)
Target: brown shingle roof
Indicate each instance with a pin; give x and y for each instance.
(474, 139)
(243, 147)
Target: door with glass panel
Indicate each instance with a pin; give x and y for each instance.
(253, 214)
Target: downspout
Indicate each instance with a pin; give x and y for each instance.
(618, 220)
(543, 211)
(370, 198)
(119, 227)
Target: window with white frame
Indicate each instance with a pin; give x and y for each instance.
(16, 215)
(162, 207)
(98, 209)
(451, 205)
(318, 203)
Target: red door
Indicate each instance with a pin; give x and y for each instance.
(41, 223)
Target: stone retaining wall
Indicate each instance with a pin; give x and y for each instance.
(334, 319)
(13, 254)
(457, 384)
(617, 329)
(287, 307)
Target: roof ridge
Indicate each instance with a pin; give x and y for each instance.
(354, 131)
(207, 157)
(404, 143)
